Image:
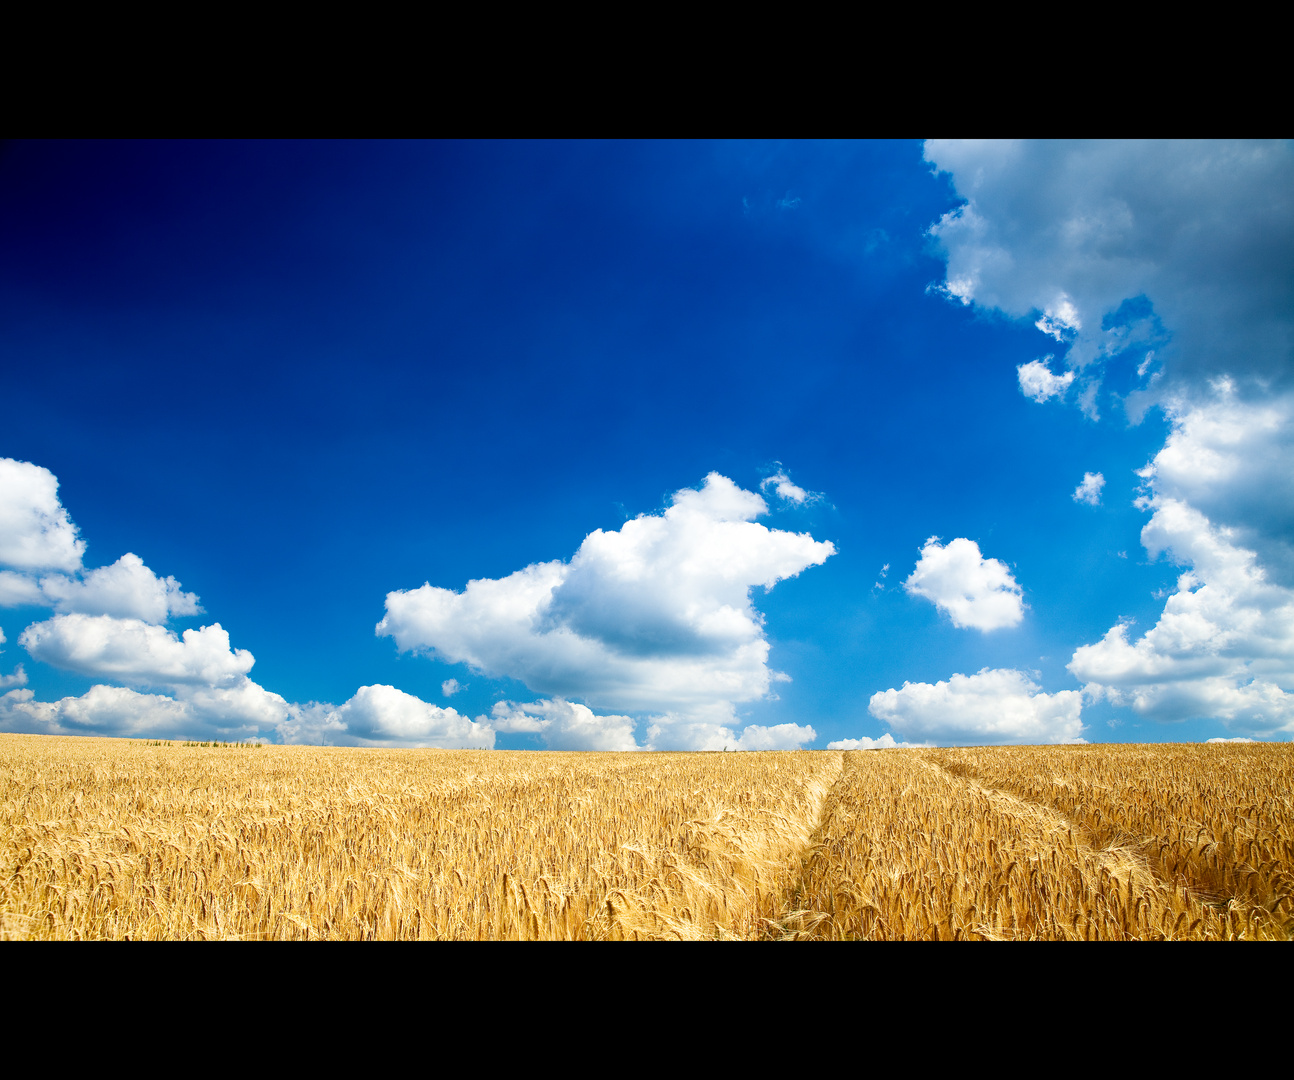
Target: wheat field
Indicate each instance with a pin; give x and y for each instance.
(118, 839)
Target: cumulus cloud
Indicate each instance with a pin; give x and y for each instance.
(885, 742)
(375, 716)
(127, 589)
(654, 617)
(136, 652)
(1089, 491)
(696, 732)
(1238, 738)
(233, 714)
(450, 687)
(775, 737)
(565, 725)
(108, 627)
(315, 723)
(1180, 256)
(973, 591)
(207, 691)
(1038, 383)
(1223, 647)
(1107, 245)
(386, 715)
(102, 710)
(19, 590)
(35, 531)
(38, 540)
(993, 706)
(1234, 461)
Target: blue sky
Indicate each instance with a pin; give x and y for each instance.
(669, 445)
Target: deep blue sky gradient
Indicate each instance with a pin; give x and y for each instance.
(299, 376)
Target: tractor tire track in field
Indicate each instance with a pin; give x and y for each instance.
(735, 870)
(908, 849)
(1127, 851)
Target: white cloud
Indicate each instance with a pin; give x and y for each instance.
(375, 716)
(36, 534)
(1234, 461)
(115, 710)
(992, 706)
(785, 488)
(35, 531)
(1238, 738)
(714, 730)
(1038, 383)
(565, 725)
(18, 590)
(103, 710)
(450, 687)
(1180, 254)
(1223, 647)
(107, 629)
(885, 742)
(776, 737)
(383, 714)
(133, 651)
(126, 589)
(208, 691)
(1070, 231)
(973, 591)
(315, 724)
(1089, 491)
(655, 617)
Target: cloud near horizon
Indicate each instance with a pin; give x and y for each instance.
(655, 617)
(885, 742)
(992, 706)
(1224, 645)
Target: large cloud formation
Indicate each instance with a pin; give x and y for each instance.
(1178, 258)
(654, 617)
(657, 615)
(1108, 245)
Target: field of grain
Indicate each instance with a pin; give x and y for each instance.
(108, 838)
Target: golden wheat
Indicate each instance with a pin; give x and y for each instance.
(101, 838)
(952, 844)
(104, 838)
